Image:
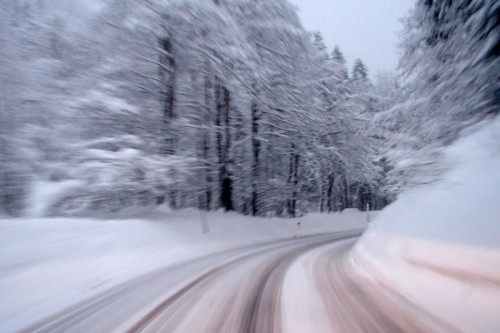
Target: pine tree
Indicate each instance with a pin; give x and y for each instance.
(340, 63)
(359, 71)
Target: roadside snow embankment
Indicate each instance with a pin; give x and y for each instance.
(48, 264)
(439, 245)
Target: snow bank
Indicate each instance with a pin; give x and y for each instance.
(445, 237)
(47, 264)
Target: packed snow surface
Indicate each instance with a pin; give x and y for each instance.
(440, 244)
(48, 264)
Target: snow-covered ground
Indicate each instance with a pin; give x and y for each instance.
(439, 245)
(48, 264)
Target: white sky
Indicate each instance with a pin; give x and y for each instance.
(365, 29)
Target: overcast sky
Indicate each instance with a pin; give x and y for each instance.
(365, 29)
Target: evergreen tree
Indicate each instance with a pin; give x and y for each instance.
(359, 71)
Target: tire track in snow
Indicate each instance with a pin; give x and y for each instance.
(248, 298)
(344, 301)
(300, 285)
(141, 303)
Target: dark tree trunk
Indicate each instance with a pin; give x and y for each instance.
(206, 196)
(330, 196)
(223, 124)
(166, 72)
(226, 194)
(293, 180)
(347, 195)
(218, 137)
(323, 198)
(254, 200)
(167, 79)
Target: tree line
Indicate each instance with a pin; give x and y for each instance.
(222, 105)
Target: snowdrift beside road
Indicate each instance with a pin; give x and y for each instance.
(439, 244)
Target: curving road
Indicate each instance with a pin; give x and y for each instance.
(298, 285)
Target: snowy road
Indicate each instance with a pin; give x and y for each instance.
(298, 285)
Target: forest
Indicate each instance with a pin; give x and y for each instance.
(229, 104)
